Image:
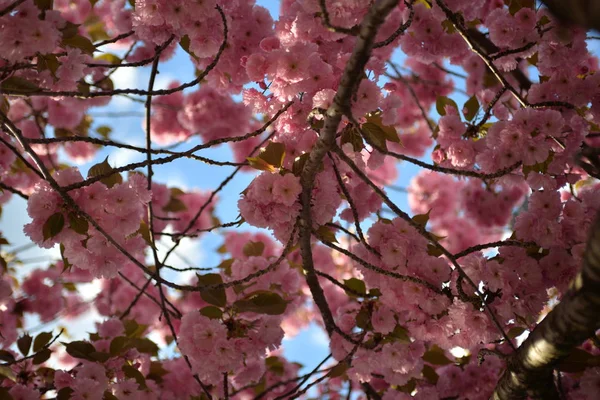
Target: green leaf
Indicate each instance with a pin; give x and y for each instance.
(175, 205)
(80, 349)
(260, 164)
(421, 219)
(351, 135)
(104, 131)
(185, 45)
(441, 102)
(109, 396)
(143, 345)
(433, 250)
(6, 356)
(253, 249)
(95, 28)
(64, 394)
(144, 232)
(262, 302)
(24, 344)
(436, 356)
(41, 340)
(212, 312)
(448, 26)
(470, 108)
(356, 285)
(53, 226)
(42, 356)
(539, 167)
(363, 319)
(99, 356)
(102, 169)
(117, 345)
(225, 265)
(533, 60)
(389, 132)
(48, 62)
(109, 58)
(326, 234)
(134, 373)
(409, 387)
(133, 329)
(544, 20)
(275, 365)
(79, 42)
(66, 264)
(44, 5)
(400, 334)
(78, 224)
(273, 154)
(216, 297)
(156, 371)
(430, 374)
(339, 370)
(374, 135)
(14, 83)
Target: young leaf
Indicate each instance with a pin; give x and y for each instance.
(24, 344)
(102, 169)
(443, 101)
(351, 135)
(436, 356)
(470, 108)
(79, 42)
(53, 226)
(216, 297)
(326, 234)
(389, 132)
(18, 84)
(421, 219)
(262, 302)
(356, 285)
(253, 249)
(42, 356)
(185, 45)
(273, 154)
(41, 340)
(134, 373)
(260, 164)
(211, 312)
(78, 224)
(80, 349)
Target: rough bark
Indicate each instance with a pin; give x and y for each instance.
(585, 13)
(570, 323)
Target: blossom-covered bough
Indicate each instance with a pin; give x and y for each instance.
(486, 288)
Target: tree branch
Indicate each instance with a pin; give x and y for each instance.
(529, 370)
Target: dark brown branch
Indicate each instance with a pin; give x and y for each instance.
(427, 235)
(574, 320)
(10, 7)
(341, 103)
(334, 28)
(140, 92)
(584, 13)
(401, 29)
(11, 189)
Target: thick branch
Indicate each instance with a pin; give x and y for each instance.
(341, 103)
(585, 13)
(575, 319)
